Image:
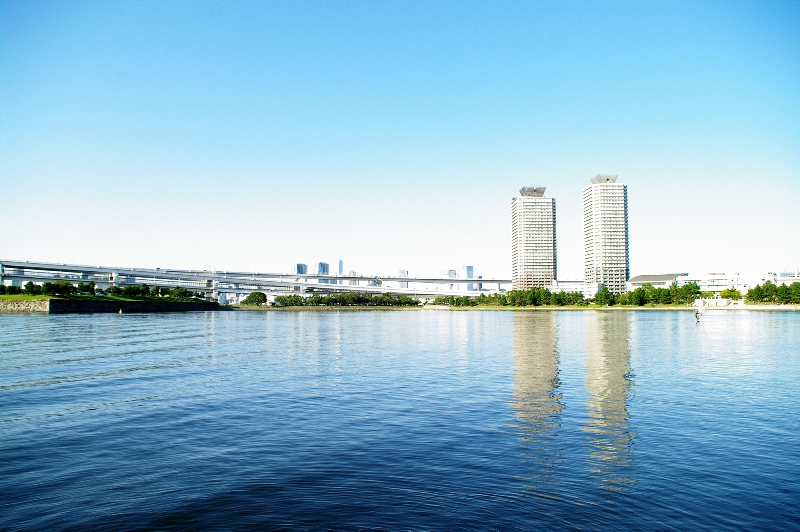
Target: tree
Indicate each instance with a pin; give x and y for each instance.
(754, 294)
(794, 292)
(86, 288)
(32, 289)
(255, 298)
(289, 301)
(179, 291)
(783, 294)
(132, 290)
(604, 297)
(770, 291)
(731, 293)
(638, 297)
(59, 288)
(689, 292)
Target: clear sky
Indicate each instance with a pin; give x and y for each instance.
(393, 135)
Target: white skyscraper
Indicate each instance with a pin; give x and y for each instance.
(605, 233)
(533, 239)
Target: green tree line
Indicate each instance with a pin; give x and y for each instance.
(648, 295)
(772, 293)
(535, 297)
(347, 299)
(515, 298)
(65, 288)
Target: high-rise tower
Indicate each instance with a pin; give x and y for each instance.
(605, 233)
(533, 239)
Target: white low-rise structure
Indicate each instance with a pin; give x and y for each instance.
(715, 283)
(589, 290)
(787, 277)
(664, 280)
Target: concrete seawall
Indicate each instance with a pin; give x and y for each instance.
(67, 306)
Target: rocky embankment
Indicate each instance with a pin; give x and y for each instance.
(67, 306)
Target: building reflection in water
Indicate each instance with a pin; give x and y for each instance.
(609, 382)
(536, 399)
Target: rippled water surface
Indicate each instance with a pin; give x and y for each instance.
(400, 420)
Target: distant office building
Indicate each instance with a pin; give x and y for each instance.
(323, 268)
(352, 282)
(341, 270)
(452, 274)
(300, 269)
(404, 274)
(533, 239)
(605, 233)
(467, 272)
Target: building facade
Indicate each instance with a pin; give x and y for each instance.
(589, 290)
(662, 280)
(533, 239)
(714, 283)
(605, 233)
(323, 268)
(402, 273)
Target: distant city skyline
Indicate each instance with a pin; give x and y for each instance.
(249, 136)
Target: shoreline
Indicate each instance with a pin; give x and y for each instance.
(768, 308)
(55, 305)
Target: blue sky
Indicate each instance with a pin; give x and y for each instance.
(393, 135)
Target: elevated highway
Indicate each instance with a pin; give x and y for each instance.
(221, 283)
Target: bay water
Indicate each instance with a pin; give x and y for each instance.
(400, 420)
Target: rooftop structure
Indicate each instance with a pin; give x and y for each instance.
(600, 178)
(537, 192)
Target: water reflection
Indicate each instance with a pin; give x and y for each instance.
(536, 398)
(608, 380)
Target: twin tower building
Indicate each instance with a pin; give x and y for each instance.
(605, 236)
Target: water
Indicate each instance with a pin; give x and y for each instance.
(419, 420)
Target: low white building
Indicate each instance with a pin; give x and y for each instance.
(664, 280)
(717, 282)
(787, 277)
(589, 290)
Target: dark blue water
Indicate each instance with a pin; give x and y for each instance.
(418, 420)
